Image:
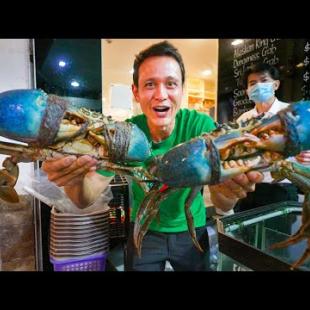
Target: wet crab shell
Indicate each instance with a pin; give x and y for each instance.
(30, 116)
(34, 117)
(139, 147)
(194, 170)
(197, 162)
(295, 120)
(298, 125)
(129, 143)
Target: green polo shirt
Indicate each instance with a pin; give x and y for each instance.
(189, 124)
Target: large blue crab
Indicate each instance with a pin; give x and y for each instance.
(47, 125)
(260, 144)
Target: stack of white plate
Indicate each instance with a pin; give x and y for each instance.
(77, 235)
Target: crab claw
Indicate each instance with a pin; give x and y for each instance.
(137, 147)
(34, 117)
(186, 165)
(294, 123)
(200, 165)
(30, 115)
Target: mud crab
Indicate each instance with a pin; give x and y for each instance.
(260, 144)
(47, 126)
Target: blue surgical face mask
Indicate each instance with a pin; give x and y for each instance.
(261, 92)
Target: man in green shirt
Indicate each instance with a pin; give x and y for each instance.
(158, 81)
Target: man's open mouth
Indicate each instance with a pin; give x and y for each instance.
(161, 109)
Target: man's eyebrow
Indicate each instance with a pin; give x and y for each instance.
(172, 77)
(169, 77)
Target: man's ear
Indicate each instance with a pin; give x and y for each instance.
(135, 92)
(276, 84)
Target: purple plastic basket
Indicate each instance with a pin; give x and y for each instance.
(94, 262)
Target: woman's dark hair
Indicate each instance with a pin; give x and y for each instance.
(260, 68)
(163, 48)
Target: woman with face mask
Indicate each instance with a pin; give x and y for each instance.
(261, 82)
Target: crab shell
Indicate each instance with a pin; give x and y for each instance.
(30, 116)
(295, 121)
(198, 162)
(34, 117)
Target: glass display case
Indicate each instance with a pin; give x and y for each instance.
(246, 238)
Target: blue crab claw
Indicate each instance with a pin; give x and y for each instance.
(295, 121)
(197, 163)
(30, 115)
(211, 159)
(139, 147)
(297, 124)
(34, 117)
(184, 165)
(230, 150)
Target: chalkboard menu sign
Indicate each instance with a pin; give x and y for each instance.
(290, 56)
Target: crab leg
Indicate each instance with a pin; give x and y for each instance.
(189, 216)
(151, 212)
(25, 153)
(303, 257)
(299, 175)
(8, 178)
(147, 201)
(139, 174)
(10, 173)
(297, 237)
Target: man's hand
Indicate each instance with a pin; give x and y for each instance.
(304, 157)
(225, 195)
(78, 176)
(69, 170)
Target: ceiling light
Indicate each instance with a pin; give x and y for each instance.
(207, 72)
(237, 42)
(300, 65)
(75, 84)
(61, 63)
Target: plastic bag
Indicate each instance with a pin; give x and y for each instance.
(54, 196)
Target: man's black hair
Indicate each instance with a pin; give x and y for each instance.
(260, 68)
(163, 48)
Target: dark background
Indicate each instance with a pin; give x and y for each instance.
(83, 63)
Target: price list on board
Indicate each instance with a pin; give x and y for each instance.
(306, 75)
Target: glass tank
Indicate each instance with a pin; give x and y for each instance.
(247, 237)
